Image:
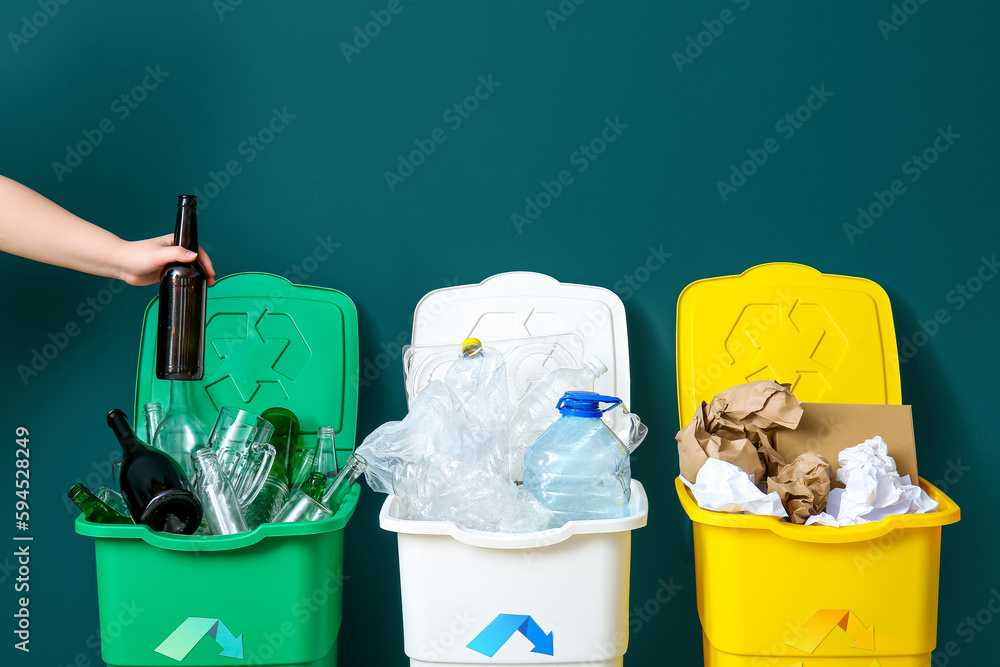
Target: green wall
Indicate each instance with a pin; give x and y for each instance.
(227, 72)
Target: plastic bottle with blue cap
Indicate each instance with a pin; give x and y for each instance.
(579, 468)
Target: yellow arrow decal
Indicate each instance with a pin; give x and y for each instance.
(812, 633)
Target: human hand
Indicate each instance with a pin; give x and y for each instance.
(141, 262)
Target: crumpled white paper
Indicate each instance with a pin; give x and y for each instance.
(872, 489)
(724, 487)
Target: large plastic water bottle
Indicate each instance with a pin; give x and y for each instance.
(579, 468)
(536, 411)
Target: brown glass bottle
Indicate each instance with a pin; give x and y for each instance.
(180, 333)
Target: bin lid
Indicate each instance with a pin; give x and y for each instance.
(270, 343)
(569, 324)
(831, 337)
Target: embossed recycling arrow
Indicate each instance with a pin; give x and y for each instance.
(503, 627)
(189, 633)
(811, 633)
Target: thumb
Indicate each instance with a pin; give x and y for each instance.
(174, 253)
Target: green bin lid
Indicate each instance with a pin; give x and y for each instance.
(270, 343)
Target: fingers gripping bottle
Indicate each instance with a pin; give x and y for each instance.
(578, 467)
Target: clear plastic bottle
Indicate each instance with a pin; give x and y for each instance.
(579, 468)
(537, 410)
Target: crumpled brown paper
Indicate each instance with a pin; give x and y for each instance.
(803, 486)
(732, 428)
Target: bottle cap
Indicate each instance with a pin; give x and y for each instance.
(585, 403)
(596, 366)
(472, 347)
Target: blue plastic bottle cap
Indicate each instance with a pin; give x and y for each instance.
(585, 403)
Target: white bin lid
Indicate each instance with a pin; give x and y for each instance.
(576, 321)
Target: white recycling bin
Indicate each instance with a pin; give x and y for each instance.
(554, 597)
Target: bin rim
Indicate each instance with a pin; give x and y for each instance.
(221, 542)
(638, 511)
(946, 513)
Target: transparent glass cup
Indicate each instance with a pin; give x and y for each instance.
(239, 439)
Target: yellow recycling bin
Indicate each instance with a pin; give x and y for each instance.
(775, 594)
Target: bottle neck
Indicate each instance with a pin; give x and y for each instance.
(123, 431)
(186, 231)
(181, 396)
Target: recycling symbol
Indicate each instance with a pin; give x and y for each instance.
(255, 360)
(802, 344)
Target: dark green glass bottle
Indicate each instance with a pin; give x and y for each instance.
(153, 484)
(315, 486)
(284, 439)
(94, 508)
(180, 333)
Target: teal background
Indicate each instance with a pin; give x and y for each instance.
(654, 187)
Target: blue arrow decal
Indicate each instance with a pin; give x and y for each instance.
(537, 636)
(232, 647)
(503, 627)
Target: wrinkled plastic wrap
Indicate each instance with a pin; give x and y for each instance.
(447, 459)
(872, 489)
(725, 487)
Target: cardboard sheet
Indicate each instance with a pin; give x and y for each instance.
(828, 428)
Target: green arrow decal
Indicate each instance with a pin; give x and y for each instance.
(189, 633)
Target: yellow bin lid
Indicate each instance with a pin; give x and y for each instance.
(831, 337)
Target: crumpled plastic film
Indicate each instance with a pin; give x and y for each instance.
(447, 459)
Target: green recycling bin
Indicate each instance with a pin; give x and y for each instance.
(271, 596)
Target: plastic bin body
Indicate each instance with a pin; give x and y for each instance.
(776, 594)
(573, 581)
(276, 591)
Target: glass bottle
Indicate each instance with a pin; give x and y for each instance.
(180, 333)
(153, 484)
(94, 508)
(326, 451)
(218, 499)
(339, 489)
(315, 485)
(180, 432)
(275, 491)
(112, 499)
(153, 413)
(304, 467)
(284, 438)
